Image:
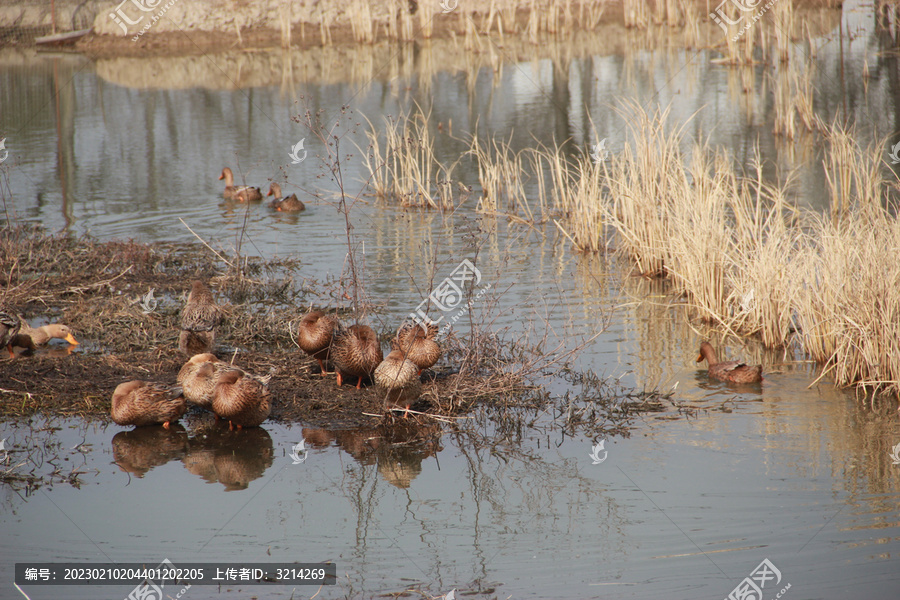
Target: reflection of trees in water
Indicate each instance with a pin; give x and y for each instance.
(526, 492)
(508, 487)
(233, 458)
(394, 451)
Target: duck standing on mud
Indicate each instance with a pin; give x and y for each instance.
(241, 399)
(198, 321)
(416, 342)
(729, 370)
(356, 352)
(198, 377)
(315, 334)
(397, 378)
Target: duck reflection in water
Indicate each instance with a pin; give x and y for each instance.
(231, 458)
(141, 449)
(397, 448)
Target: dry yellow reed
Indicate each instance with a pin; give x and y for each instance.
(501, 175)
(405, 168)
(746, 259)
(361, 22)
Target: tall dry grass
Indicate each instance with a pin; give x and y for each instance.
(848, 307)
(501, 176)
(577, 187)
(645, 179)
(744, 257)
(402, 164)
(361, 22)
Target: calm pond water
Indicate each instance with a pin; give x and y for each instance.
(686, 507)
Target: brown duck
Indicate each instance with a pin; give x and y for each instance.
(289, 204)
(315, 334)
(730, 370)
(356, 352)
(32, 337)
(199, 319)
(416, 342)
(241, 193)
(199, 376)
(241, 399)
(398, 379)
(9, 329)
(143, 403)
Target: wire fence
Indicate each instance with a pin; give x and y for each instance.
(23, 20)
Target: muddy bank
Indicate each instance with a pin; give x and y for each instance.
(123, 301)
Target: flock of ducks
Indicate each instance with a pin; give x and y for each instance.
(243, 399)
(246, 193)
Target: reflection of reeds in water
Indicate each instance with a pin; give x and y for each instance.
(232, 458)
(363, 64)
(139, 450)
(793, 91)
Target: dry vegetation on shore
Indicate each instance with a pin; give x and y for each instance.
(97, 288)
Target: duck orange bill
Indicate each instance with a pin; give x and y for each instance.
(71, 339)
(700, 358)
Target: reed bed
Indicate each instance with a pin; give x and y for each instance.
(745, 258)
(644, 182)
(361, 22)
(402, 165)
(783, 16)
(501, 176)
(577, 186)
(848, 306)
